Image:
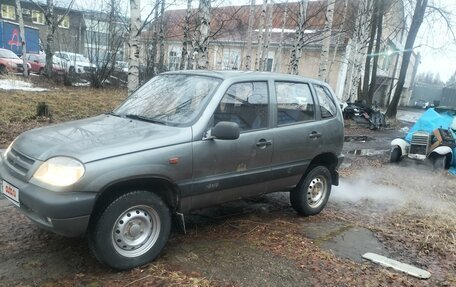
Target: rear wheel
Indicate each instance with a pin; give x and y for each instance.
(131, 231)
(3, 70)
(312, 193)
(395, 155)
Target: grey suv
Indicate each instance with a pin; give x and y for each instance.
(184, 140)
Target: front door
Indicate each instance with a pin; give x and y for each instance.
(230, 169)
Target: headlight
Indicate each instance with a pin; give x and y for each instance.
(7, 150)
(60, 171)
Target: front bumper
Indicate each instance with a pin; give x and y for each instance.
(65, 213)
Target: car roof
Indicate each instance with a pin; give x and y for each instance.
(245, 75)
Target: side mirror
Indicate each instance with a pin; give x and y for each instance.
(225, 131)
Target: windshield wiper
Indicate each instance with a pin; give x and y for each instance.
(146, 119)
(112, 114)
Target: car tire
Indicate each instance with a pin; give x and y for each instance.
(312, 193)
(3, 70)
(396, 154)
(440, 162)
(131, 231)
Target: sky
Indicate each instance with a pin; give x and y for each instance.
(435, 42)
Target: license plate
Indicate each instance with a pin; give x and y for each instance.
(11, 192)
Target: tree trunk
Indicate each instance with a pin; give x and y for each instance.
(153, 52)
(133, 43)
(259, 54)
(324, 55)
(417, 20)
(161, 38)
(267, 38)
(367, 65)
(49, 50)
(282, 33)
(186, 42)
(336, 47)
(293, 68)
(249, 50)
(23, 40)
(203, 41)
(378, 42)
(357, 50)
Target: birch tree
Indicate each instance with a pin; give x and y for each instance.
(133, 46)
(184, 61)
(357, 50)
(23, 40)
(161, 38)
(259, 51)
(267, 38)
(202, 55)
(281, 39)
(339, 39)
(293, 68)
(249, 50)
(324, 55)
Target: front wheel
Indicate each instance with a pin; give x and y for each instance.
(440, 162)
(131, 231)
(312, 193)
(395, 155)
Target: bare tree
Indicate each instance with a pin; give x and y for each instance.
(281, 39)
(52, 21)
(186, 41)
(133, 45)
(267, 38)
(203, 34)
(356, 49)
(293, 68)
(23, 40)
(248, 57)
(324, 55)
(417, 20)
(261, 28)
(161, 37)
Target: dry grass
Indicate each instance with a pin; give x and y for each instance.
(18, 108)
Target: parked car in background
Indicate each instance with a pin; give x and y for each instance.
(183, 141)
(38, 62)
(77, 63)
(11, 63)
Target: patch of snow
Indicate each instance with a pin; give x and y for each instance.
(19, 85)
(409, 116)
(82, 84)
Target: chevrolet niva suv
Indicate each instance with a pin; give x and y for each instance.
(183, 141)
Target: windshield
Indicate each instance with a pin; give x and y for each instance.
(7, 54)
(169, 99)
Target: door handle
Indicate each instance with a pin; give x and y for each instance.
(314, 135)
(263, 143)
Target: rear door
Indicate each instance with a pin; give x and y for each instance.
(230, 169)
(297, 133)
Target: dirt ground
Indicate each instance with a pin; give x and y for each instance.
(406, 212)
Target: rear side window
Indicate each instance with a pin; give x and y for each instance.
(245, 104)
(294, 103)
(327, 106)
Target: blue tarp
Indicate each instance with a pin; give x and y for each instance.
(431, 120)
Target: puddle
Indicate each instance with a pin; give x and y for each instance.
(368, 152)
(358, 138)
(353, 243)
(343, 239)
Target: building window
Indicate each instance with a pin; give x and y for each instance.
(8, 12)
(37, 17)
(65, 23)
(173, 61)
(268, 64)
(231, 59)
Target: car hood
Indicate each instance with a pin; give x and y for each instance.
(97, 138)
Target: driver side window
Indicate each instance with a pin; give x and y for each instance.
(245, 104)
